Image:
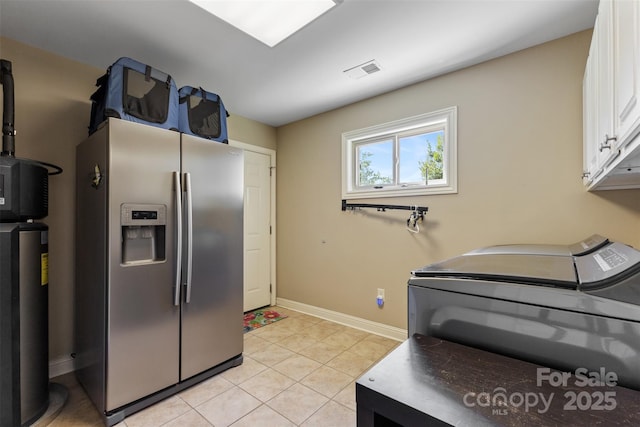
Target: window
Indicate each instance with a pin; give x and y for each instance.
(408, 157)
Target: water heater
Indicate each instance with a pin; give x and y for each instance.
(24, 277)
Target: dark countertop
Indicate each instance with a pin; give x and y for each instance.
(427, 380)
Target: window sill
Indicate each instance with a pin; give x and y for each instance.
(395, 192)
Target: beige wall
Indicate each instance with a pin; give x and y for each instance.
(52, 114)
(519, 168)
(251, 132)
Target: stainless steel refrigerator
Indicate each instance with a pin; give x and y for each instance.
(158, 264)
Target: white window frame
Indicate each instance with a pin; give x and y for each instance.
(446, 119)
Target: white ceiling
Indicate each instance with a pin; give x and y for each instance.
(412, 40)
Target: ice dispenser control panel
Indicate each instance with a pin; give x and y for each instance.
(143, 233)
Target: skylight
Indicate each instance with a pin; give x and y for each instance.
(269, 21)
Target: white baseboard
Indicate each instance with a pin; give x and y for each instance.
(376, 328)
(60, 366)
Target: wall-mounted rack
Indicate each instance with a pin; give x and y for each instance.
(417, 212)
(382, 208)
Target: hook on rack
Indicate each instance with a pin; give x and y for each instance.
(412, 222)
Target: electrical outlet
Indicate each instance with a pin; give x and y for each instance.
(380, 298)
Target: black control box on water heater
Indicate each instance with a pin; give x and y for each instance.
(23, 190)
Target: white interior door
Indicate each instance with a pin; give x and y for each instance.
(257, 230)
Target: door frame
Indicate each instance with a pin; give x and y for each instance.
(272, 155)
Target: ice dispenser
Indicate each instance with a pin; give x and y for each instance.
(143, 233)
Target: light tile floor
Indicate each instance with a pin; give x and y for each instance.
(299, 371)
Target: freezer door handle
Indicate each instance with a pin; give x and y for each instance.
(189, 219)
(178, 199)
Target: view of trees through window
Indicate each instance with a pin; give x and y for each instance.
(432, 167)
(368, 176)
(414, 159)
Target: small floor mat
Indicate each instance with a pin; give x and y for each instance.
(261, 317)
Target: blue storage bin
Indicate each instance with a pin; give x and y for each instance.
(202, 114)
(137, 92)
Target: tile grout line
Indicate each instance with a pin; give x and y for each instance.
(343, 350)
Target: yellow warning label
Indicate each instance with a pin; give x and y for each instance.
(44, 267)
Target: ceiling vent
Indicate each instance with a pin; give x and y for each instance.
(362, 70)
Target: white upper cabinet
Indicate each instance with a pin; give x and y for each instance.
(627, 67)
(611, 98)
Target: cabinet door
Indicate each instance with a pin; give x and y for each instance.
(598, 97)
(589, 116)
(605, 119)
(626, 14)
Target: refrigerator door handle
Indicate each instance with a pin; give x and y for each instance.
(189, 219)
(178, 199)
